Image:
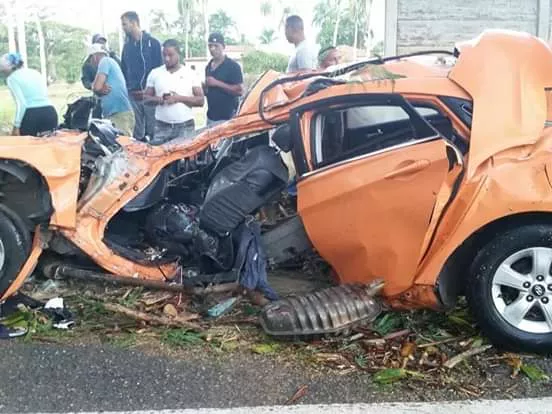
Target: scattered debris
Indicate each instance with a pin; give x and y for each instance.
(177, 321)
(387, 323)
(62, 318)
(170, 310)
(397, 335)
(265, 348)
(156, 299)
(515, 362)
(300, 393)
(181, 338)
(390, 375)
(395, 348)
(222, 307)
(534, 373)
(451, 363)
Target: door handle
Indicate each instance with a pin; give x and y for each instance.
(408, 168)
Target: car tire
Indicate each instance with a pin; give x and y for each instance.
(15, 247)
(513, 308)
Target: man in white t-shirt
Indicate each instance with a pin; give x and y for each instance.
(305, 57)
(175, 89)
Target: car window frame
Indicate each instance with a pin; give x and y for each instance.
(344, 102)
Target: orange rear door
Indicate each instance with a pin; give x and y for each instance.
(369, 171)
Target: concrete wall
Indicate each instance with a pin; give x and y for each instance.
(413, 25)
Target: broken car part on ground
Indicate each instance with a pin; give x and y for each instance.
(433, 177)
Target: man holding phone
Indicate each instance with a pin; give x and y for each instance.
(175, 90)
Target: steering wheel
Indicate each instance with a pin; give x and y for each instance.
(104, 135)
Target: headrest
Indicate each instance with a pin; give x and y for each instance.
(282, 138)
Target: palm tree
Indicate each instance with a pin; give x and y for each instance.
(206, 25)
(37, 13)
(266, 8)
(360, 10)
(329, 11)
(267, 36)
(41, 48)
(21, 38)
(276, 8)
(337, 5)
(9, 24)
(286, 12)
(185, 9)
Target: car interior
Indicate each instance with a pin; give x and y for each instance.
(345, 133)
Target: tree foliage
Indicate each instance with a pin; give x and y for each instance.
(65, 49)
(325, 16)
(274, 11)
(257, 62)
(222, 23)
(163, 27)
(267, 36)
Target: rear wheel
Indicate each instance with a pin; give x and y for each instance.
(510, 291)
(15, 247)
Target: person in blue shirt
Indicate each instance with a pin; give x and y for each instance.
(34, 114)
(110, 85)
(88, 70)
(141, 54)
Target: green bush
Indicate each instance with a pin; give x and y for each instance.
(257, 62)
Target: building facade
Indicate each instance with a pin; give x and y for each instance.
(414, 25)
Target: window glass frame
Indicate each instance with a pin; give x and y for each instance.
(423, 130)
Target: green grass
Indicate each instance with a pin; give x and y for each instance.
(60, 94)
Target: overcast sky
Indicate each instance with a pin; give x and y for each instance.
(246, 13)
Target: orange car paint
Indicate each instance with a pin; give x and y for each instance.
(57, 159)
(354, 212)
(28, 266)
(390, 215)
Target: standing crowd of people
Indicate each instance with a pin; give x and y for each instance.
(149, 93)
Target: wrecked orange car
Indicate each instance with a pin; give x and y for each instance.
(431, 175)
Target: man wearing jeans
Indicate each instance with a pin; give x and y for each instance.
(141, 54)
(175, 89)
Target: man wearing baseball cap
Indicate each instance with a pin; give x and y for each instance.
(223, 82)
(111, 86)
(88, 70)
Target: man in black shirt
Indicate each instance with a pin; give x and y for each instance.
(223, 82)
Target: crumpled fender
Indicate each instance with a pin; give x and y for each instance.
(506, 74)
(57, 159)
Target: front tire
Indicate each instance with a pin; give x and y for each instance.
(15, 247)
(510, 289)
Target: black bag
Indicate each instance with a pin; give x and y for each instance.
(79, 112)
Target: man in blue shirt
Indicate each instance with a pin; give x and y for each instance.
(110, 85)
(141, 54)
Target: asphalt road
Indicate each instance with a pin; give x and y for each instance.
(53, 378)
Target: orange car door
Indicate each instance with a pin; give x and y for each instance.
(369, 169)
